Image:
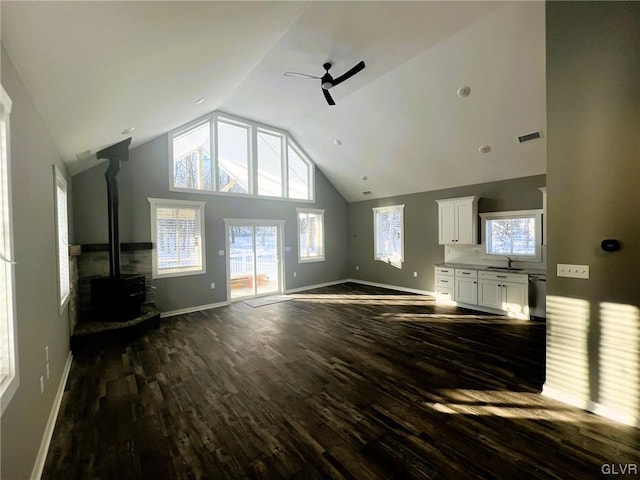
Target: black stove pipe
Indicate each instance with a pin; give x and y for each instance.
(115, 154)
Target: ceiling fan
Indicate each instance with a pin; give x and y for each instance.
(327, 81)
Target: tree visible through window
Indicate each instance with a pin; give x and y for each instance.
(240, 157)
(177, 230)
(388, 225)
(516, 234)
(310, 235)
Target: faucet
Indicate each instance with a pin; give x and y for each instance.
(508, 261)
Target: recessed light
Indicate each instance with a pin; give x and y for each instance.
(484, 149)
(338, 142)
(199, 101)
(127, 131)
(464, 91)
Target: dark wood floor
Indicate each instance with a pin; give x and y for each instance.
(341, 382)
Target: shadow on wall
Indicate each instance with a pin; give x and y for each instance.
(593, 356)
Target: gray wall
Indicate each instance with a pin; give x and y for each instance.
(593, 121)
(147, 175)
(32, 154)
(421, 228)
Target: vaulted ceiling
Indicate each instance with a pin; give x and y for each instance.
(95, 69)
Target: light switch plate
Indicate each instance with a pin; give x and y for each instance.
(573, 271)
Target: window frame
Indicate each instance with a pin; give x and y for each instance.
(157, 273)
(287, 141)
(317, 258)
(536, 214)
(10, 381)
(387, 209)
(59, 181)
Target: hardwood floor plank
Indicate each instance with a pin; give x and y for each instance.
(347, 381)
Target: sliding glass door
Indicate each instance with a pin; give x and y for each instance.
(253, 253)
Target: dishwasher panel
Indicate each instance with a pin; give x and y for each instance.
(538, 296)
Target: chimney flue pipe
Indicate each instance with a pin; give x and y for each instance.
(115, 154)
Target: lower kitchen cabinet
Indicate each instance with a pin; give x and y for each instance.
(466, 289)
(507, 292)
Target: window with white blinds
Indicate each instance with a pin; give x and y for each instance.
(310, 235)
(388, 237)
(177, 233)
(221, 154)
(9, 378)
(62, 237)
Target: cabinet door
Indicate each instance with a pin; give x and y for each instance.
(464, 222)
(446, 223)
(515, 299)
(490, 293)
(466, 291)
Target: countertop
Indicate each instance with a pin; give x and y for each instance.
(524, 271)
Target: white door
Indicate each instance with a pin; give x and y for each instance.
(254, 266)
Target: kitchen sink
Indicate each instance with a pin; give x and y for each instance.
(505, 269)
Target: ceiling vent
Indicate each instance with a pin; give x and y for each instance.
(529, 137)
(368, 192)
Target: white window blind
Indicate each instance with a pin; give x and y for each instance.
(388, 224)
(310, 235)
(62, 237)
(177, 231)
(9, 378)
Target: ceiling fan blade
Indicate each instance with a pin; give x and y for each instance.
(299, 75)
(327, 95)
(359, 67)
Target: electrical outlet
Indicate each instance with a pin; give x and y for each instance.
(41, 385)
(213, 286)
(357, 267)
(221, 253)
(294, 274)
(415, 274)
(573, 271)
(287, 249)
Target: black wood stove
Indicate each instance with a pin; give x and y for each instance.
(119, 296)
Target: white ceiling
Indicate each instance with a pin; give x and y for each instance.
(97, 68)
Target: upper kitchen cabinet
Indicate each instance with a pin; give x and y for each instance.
(458, 221)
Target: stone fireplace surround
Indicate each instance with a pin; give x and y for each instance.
(93, 261)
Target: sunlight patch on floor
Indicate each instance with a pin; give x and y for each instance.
(361, 299)
(507, 404)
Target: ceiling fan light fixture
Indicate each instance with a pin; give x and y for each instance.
(327, 85)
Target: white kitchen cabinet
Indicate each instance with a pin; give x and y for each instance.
(466, 290)
(445, 284)
(508, 292)
(458, 220)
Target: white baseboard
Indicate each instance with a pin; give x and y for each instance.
(611, 413)
(51, 423)
(317, 285)
(198, 308)
(391, 287)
